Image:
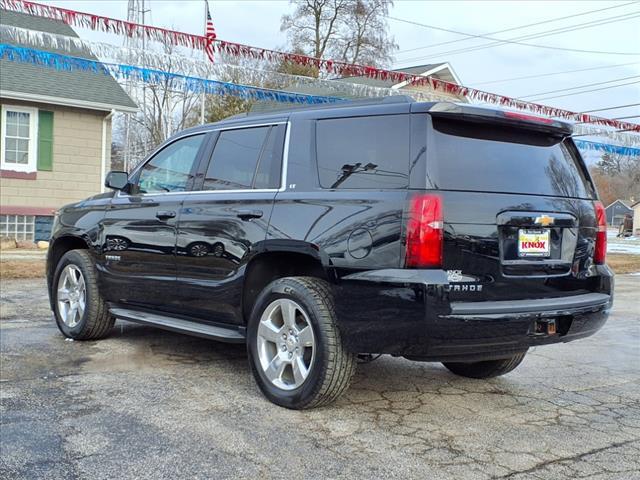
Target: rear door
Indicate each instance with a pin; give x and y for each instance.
(518, 208)
(139, 229)
(223, 222)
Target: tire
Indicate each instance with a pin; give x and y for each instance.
(329, 366)
(94, 321)
(486, 369)
(199, 249)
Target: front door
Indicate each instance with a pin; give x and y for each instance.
(223, 222)
(137, 265)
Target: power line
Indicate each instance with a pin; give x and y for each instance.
(612, 108)
(585, 91)
(551, 20)
(551, 74)
(548, 33)
(579, 86)
(514, 40)
(624, 118)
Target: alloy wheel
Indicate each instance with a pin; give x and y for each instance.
(286, 344)
(71, 296)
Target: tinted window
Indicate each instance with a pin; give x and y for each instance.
(466, 156)
(170, 169)
(363, 152)
(235, 158)
(268, 171)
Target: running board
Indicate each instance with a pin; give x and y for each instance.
(224, 334)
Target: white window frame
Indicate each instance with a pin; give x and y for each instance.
(32, 163)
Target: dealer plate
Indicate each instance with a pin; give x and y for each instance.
(533, 243)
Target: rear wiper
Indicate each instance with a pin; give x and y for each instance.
(349, 169)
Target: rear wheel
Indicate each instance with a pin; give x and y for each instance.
(295, 348)
(486, 369)
(80, 311)
(199, 249)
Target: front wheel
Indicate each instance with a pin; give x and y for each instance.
(80, 311)
(486, 369)
(295, 349)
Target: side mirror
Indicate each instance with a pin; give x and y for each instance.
(116, 180)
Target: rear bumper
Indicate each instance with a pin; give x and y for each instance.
(380, 312)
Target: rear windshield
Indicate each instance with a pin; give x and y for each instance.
(492, 158)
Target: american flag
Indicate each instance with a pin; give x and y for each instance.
(210, 34)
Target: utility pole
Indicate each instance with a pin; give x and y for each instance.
(136, 13)
(204, 58)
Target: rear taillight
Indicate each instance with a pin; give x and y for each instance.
(425, 228)
(600, 254)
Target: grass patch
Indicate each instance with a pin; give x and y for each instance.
(12, 269)
(623, 262)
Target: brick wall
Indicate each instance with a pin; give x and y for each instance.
(77, 156)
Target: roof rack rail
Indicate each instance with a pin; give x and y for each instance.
(262, 109)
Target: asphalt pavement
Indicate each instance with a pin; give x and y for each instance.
(150, 404)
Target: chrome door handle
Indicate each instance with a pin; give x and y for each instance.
(248, 214)
(165, 214)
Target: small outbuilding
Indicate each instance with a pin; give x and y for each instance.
(636, 218)
(617, 211)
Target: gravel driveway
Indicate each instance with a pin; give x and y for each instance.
(151, 404)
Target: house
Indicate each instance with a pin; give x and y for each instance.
(636, 218)
(440, 71)
(339, 87)
(55, 133)
(616, 212)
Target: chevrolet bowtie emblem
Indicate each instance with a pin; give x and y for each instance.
(545, 220)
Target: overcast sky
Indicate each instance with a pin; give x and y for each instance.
(257, 23)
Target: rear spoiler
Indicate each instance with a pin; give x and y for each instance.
(471, 113)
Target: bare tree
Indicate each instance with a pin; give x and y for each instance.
(165, 109)
(354, 31)
(363, 36)
(617, 176)
(314, 24)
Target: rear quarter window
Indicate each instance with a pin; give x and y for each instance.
(492, 158)
(363, 152)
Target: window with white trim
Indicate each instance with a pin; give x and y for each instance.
(18, 138)
(20, 227)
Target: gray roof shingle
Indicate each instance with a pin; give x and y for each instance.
(98, 89)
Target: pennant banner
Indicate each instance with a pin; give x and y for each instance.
(172, 37)
(195, 84)
(607, 148)
(191, 67)
(197, 67)
(178, 82)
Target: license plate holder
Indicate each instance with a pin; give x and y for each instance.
(534, 243)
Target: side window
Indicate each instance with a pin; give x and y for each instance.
(170, 169)
(363, 152)
(268, 171)
(244, 158)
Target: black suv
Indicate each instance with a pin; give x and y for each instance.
(434, 231)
